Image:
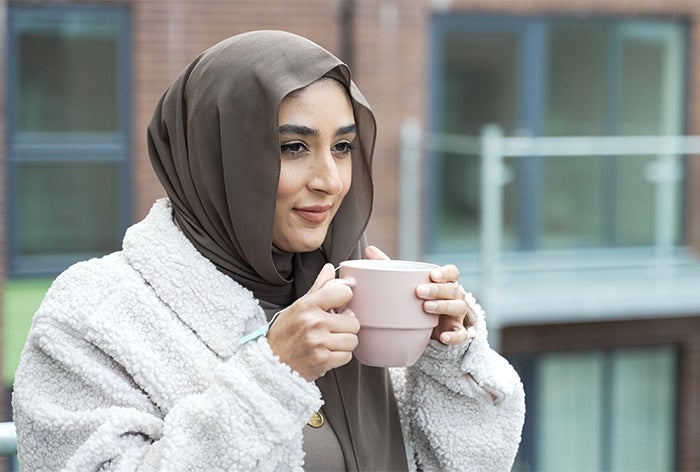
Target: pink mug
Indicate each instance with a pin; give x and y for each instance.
(394, 329)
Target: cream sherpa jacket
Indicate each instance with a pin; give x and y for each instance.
(132, 363)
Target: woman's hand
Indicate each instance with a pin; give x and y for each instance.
(444, 297)
(307, 337)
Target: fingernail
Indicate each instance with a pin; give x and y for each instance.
(423, 290)
(436, 275)
(431, 306)
(446, 338)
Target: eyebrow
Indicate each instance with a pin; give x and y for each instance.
(306, 131)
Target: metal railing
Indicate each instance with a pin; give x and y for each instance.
(492, 147)
(8, 439)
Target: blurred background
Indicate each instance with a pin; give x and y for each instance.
(546, 147)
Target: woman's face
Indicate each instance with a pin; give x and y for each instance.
(316, 132)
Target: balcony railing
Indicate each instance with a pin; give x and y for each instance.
(492, 148)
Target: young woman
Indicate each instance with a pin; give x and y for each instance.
(153, 358)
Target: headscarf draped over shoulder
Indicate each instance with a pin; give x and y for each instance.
(214, 144)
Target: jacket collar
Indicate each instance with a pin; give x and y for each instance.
(212, 304)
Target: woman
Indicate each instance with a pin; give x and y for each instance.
(153, 358)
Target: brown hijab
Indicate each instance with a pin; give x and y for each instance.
(214, 144)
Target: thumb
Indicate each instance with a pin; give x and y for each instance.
(373, 252)
(327, 273)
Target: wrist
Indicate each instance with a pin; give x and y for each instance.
(261, 331)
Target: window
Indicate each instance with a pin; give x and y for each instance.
(600, 410)
(553, 77)
(68, 134)
(611, 395)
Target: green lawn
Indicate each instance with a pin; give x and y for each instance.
(20, 301)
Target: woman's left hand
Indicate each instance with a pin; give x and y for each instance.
(445, 298)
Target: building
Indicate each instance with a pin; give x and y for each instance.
(583, 251)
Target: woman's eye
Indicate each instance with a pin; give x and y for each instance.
(292, 148)
(343, 147)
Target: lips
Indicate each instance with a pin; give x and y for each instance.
(314, 214)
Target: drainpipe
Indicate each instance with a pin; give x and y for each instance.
(346, 23)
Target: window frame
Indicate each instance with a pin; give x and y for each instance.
(66, 147)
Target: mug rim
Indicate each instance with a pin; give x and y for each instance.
(386, 265)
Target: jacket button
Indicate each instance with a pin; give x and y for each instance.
(316, 420)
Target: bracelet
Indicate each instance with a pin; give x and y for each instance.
(261, 331)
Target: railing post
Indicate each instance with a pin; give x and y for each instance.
(492, 148)
(409, 206)
(664, 173)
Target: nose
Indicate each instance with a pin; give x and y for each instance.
(326, 175)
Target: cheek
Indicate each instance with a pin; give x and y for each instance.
(286, 185)
(346, 176)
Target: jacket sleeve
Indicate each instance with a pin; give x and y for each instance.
(76, 409)
(462, 407)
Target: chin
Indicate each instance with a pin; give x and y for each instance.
(301, 240)
(307, 247)
(307, 244)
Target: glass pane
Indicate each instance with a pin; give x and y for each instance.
(573, 201)
(576, 93)
(66, 208)
(67, 73)
(568, 405)
(479, 81)
(650, 103)
(652, 74)
(478, 88)
(573, 195)
(459, 214)
(635, 202)
(644, 393)
(627, 79)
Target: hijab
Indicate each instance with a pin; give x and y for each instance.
(214, 144)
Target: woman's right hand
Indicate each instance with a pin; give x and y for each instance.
(307, 337)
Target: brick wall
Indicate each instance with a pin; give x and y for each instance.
(692, 192)
(390, 48)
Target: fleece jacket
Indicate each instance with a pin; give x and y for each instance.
(132, 363)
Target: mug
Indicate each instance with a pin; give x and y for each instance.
(394, 329)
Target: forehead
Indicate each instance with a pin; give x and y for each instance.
(325, 101)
